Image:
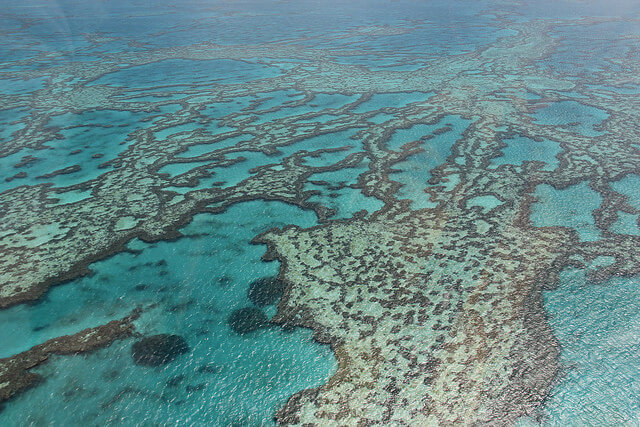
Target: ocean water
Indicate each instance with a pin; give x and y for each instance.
(186, 73)
(571, 115)
(74, 148)
(161, 145)
(600, 350)
(570, 207)
(195, 283)
(414, 172)
(522, 149)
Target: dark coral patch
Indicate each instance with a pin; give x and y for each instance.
(247, 319)
(266, 291)
(158, 350)
(210, 368)
(175, 381)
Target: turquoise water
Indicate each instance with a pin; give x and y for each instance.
(485, 203)
(316, 105)
(186, 72)
(628, 186)
(573, 116)
(571, 207)
(9, 121)
(599, 350)
(196, 281)
(383, 100)
(76, 146)
(200, 149)
(521, 149)
(18, 86)
(248, 161)
(335, 191)
(626, 224)
(415, 172)
(319, 102)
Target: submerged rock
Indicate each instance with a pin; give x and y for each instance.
(266, 291)
(175, 381)
(158, 350)
(247, 319)
(210, 368)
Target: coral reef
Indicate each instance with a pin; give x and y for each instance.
(15, 375)
(247, 319)
(158, 350)
(266, 291)
(435, 314)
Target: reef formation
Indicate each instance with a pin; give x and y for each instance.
(15, 374)
(248, 319)
(158, 350)
(266, 291)
(434, 313)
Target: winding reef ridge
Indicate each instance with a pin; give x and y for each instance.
(458, 157)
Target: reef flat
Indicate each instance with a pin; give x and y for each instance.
(452, 186)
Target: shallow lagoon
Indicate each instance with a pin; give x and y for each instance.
(191, 286)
